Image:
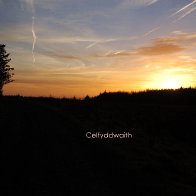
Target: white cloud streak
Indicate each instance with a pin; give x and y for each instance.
(30, 5)
(184, 11)
(187, 13)
(34, 39)
(110, 40)
(151, 31)
(98, 42)
(137, 3)
(185, 7)
(91, 45)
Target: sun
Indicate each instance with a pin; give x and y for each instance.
(167, 80)
(170, 83)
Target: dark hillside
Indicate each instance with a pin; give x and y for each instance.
(45, 151)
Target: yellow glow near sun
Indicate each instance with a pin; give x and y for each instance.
(170, 80)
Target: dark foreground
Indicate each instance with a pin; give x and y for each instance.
(44, 149)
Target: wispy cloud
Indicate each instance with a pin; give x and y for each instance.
(34, 38)
(67, 59)
(30, 5)
(120, 53)
(60, 55)
(27, 4)
(17, 33)
(33, 29)
(160, 46)
(136, 3)
(102, 41)
(157, 48)
(151, 31)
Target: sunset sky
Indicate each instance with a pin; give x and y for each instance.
(67, 48)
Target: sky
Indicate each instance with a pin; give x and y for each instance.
(66, 48)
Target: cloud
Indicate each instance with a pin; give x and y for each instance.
(17, 33)
(50, 4)
(180, 38)
(157, 48)
(151, 31)
(27, 4)
(120, 53)
(104, 40)
(59, 55)
(137, 3)
(68, 59)
(161, 46)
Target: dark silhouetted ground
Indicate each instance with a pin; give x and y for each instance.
(44, 149)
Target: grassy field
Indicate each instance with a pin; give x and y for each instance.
(45, 151)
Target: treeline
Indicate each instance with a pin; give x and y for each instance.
(168, 96)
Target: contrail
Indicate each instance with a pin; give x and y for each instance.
(180, 10)
(34, 38)
(101, 41)
(30, 6)
(187, 13)
(151, 31)
(92, 44)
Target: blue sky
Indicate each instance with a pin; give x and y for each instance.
(79, 47)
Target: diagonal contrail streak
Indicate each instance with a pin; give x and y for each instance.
(180, 10)
(151, 31)
(34, 38)
(187, 13)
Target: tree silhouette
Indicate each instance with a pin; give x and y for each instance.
(5, 69)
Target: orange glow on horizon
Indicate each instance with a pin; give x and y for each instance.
(150, 73)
